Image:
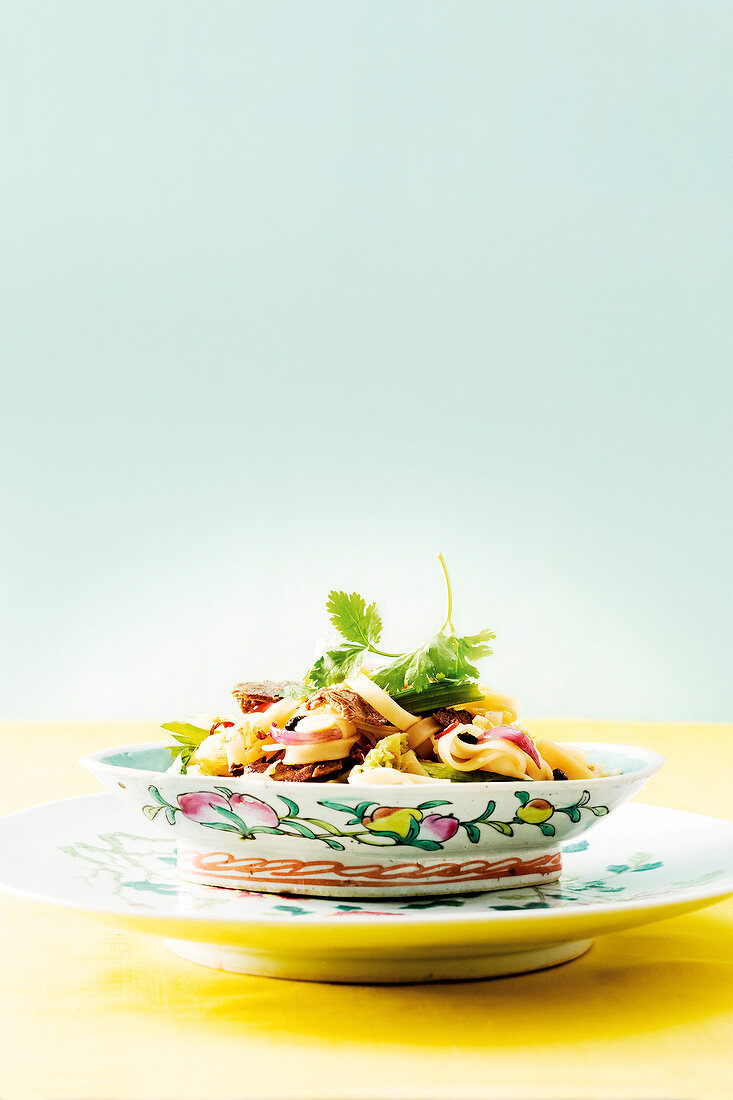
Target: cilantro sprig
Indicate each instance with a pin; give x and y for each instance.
(189, 738)
(446, 658)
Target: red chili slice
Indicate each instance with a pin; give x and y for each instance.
(222, 723)
(450, 728)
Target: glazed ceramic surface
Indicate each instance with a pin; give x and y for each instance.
(344, 840)
(94, 855)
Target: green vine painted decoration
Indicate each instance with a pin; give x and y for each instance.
(245, 815)
(368, 822)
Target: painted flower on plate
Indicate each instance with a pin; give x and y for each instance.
(205, 807)
(438, 827)
(254, 812)
(399, 821)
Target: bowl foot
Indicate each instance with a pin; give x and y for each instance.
(334, 876)
(362, 969)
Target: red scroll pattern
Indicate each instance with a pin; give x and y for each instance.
(327, 872)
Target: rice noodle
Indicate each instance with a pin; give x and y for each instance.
(385, 776)
(371, 732)
(279, 713)
(410, 763)
(571, 761)
(243, 747)
(322, 734)
(310, 754)
(325, 719)
(496, 755)
(421, 731)
(503, 707)
(372, 693)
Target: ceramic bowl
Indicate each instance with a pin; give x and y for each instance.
(349, 840)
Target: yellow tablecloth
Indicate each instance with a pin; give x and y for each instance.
(90, 1012)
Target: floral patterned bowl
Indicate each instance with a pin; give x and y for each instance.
(349, 840)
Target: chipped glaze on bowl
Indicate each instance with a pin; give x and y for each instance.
(349, 840)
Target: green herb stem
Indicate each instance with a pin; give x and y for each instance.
(448, 618)
(437, 696)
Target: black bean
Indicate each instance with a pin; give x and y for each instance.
(558, 773)
(292, 723)
(468, 738)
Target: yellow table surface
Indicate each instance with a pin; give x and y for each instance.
(90, 1012)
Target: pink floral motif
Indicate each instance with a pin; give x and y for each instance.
(201, 806)
(411, 826)
(438, 827)
(254, 812)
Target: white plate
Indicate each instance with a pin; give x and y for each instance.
(93, 855)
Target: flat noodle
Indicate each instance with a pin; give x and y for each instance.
(319, 750)
(571, 761)
(505, 705)
(384, 776)
(497, 755)
(383, 703)
(278, 713)
(419, 733)
(373, 715)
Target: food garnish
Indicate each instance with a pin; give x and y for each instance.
(422, 717)
(188, 737)
(444, 661)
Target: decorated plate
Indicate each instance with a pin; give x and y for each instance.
(94, 855)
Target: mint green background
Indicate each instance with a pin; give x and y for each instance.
(296, 295)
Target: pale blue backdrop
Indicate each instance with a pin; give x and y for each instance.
(297, 294)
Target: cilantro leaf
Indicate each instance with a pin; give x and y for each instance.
(432, 662)
(189, 738)
(335, 665)
(354, 620)
(444, 658)
(186, 734)
(471, 648)
(393, 678)
(413, 670)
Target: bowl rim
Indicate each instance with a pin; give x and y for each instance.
(97, 761)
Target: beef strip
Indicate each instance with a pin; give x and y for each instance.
(257, 768)
(446, 717)
(254, 693)
(301, 773)
(347, 704)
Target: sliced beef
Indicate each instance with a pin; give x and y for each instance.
(347, 704)
(256, 695)
(301, 773)
(446, 717)
(358, 753)
(257, 768)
